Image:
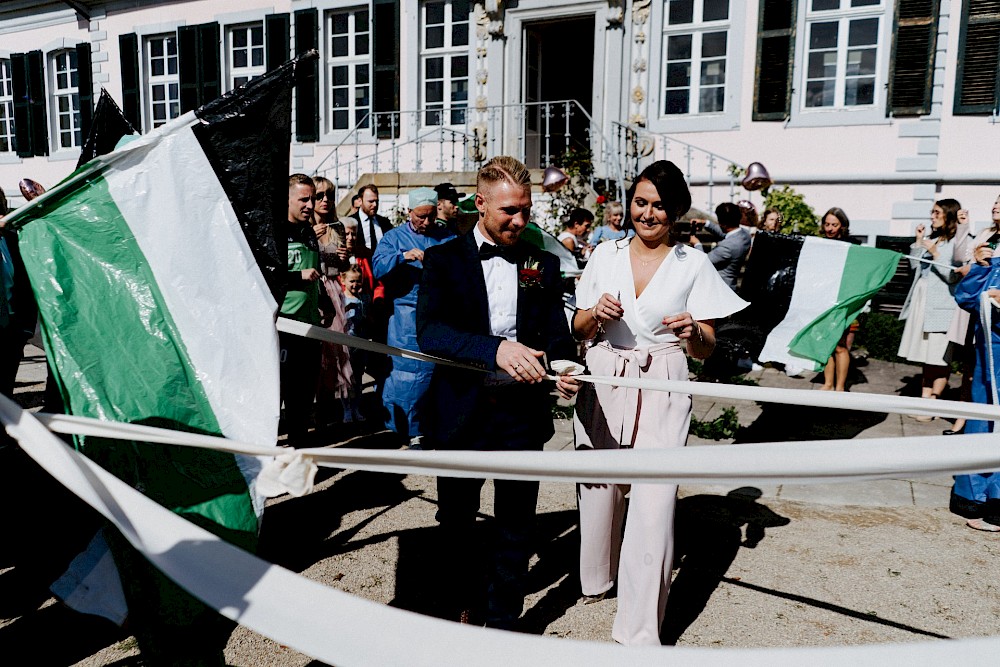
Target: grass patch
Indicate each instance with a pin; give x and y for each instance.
(722, 427)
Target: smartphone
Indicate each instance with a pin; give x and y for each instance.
(993, 241)
(683, 228)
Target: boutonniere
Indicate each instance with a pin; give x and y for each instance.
(530, 274)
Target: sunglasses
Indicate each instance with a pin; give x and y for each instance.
(325, 194)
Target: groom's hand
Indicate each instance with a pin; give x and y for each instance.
(520, 362)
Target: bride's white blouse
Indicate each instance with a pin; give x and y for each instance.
(684, 281)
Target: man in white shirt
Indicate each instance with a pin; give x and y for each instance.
(492, 301)
(372, 226)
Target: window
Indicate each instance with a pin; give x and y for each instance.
(842, 53)
(162, 81)
(349, 69)
(246, 53)
(6, 108)
(444, 61)
(66, 100)
(695, 44)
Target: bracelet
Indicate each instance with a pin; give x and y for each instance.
(600, 324)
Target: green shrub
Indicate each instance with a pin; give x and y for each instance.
(722, 427)
(880, 334)
(798, 216)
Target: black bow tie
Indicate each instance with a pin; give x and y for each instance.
(489, 250)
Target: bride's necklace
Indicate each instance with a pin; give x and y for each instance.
(647, 262)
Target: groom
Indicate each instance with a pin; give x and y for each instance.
(494, 302)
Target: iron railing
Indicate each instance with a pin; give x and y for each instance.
(463, 138)
(640, 147)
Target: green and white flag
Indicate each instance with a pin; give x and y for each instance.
(154, 311)
(832, 282)
(541, 239)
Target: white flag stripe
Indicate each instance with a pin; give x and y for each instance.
(216, 295)
(817, 285)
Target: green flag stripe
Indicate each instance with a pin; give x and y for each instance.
(98, 300)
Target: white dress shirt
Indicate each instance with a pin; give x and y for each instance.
(363, 227)
(501, 295)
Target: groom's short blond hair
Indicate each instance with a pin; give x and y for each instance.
(503, 168)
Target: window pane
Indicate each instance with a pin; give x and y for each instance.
(339, 46)
(239, 58)
(434, 68)
(258, 57)
(460, 10)
(61, 81)
(172, 65)
(435, 12)
(676, 101)
(460, 34)
(340, 97)
(681, 11)
(435, 37)
(174, 91)
(864, 3)
(340, 120)
(340, 24)
(823, 36)
(361, 21)
(713, 73)
(459, 91)
(715, 10)
(678, 74)
(239, 81)
(361, 96)
(679, 47)
(861, 62)
(823, 5)
(434, 91)
(156, 48)
(171, 46)
(63, 122)
(460, 66)
(63, 104)
(257, 36)
(819, 93)
(458, 117)
(859, 91)
(822, 65)
(159, 94)
(239, 39)
(360, 74)
(713, 44)
(340, 74)
(863, 32)
(73, 81)
(361, 45)
(711, 100)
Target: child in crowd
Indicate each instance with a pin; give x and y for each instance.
(357, 303)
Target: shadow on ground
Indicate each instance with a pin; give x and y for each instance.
(709, 533)
(786, 423)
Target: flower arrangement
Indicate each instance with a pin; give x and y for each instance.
(530, 275)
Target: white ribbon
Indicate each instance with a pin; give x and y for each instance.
(341, 629)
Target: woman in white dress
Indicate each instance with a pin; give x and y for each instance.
(639, 298)
(930, 305)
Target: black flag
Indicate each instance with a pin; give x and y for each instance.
(106, 130)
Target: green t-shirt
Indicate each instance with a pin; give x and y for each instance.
(299, 304)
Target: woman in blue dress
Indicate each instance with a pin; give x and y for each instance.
(977, 497)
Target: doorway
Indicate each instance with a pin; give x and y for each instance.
(558, 65)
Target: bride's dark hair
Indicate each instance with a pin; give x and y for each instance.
(670, 185)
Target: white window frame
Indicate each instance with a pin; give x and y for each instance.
(6, 108)
(843, 17)
(697, 29)
(166, 80)
(838, 115)
(352, 61)
(447, 52)
(248, 71)
(654, 81)
(63, 87)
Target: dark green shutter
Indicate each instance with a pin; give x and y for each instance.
(772, 95)
(911, 68)
(85, 86)
(978, 58)
(277, 31)
(198, 65)
(209, 44)
(128, 45)
(385, 53)
(30, 124)
(307, 85)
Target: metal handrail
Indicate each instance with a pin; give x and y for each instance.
(480, 135)
(691, 157)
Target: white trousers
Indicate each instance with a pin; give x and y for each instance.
(612, 418)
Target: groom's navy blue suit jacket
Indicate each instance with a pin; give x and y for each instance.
(453, 321)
